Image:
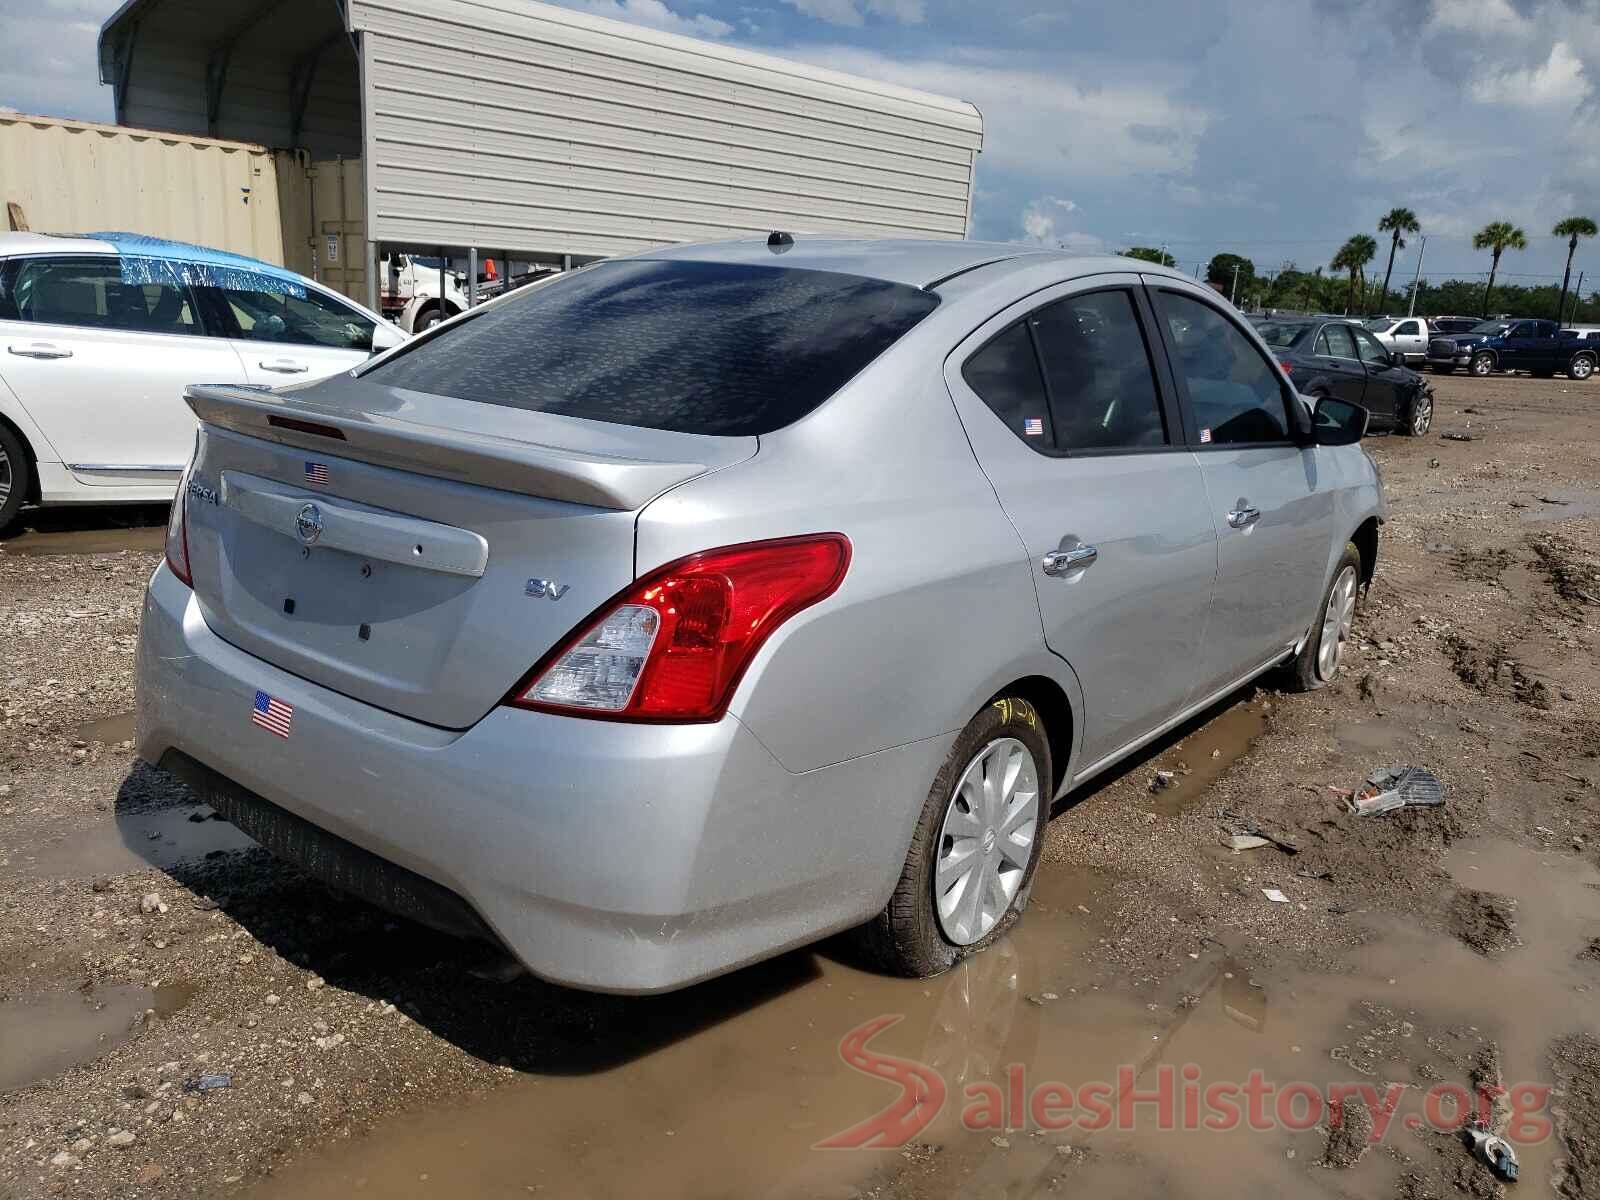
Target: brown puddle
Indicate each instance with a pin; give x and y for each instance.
(738, 1107)
(1202, 757)
(109, 730)
(42, 1036)
(122, 842)
(83, 541)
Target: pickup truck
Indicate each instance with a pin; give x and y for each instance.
(1539, 347)
(1408, 336)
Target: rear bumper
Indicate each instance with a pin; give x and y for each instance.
(606, 856)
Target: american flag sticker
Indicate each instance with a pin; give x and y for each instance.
(1205, 436)
(1033, 426)
(272, 714)
(317, 474)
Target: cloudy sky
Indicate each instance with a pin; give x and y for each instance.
(1274, 130)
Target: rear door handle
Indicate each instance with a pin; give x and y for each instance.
(1244, 516)
(1059, 562)
(283, 366)
(39, 350)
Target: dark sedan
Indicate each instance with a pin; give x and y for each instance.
(1326, 357)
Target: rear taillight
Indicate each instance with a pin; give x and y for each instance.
(178, 532)
(673, 646)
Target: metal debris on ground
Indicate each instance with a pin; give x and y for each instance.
(207, 1083)
(1242, 833)
(1275, 895)
(1458, 435)
(1162, 781)
(1495, 1153)
(1389, 788)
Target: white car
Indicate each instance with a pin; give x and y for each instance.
(1409, 335)
(101, 334)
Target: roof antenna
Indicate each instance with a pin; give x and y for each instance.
(779, 241)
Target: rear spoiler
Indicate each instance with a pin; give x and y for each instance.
(580, 476)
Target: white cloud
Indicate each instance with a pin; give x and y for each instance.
(1559, 81)
(655, 14)
(1038, 122)
(1475, 17)
(853, 13)
(1042, 222)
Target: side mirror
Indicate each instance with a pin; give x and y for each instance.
(1338, 422)
(1397, 358)
(386, 337)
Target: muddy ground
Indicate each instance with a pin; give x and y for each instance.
(180, 1015)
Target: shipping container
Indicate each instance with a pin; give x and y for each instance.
(79, 177)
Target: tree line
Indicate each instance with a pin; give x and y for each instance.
(1293, 288)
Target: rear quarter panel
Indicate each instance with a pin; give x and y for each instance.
(937, 611)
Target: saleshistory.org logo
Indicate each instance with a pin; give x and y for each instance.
(1165, 1097)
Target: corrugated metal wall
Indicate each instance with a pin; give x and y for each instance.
(535, 128)
(77, 177)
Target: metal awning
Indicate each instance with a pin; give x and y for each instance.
(282, 73)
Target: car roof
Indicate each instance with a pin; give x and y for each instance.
(223, 266)
(915, 262)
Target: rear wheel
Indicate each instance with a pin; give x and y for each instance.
(973, 854)
(429, 319)
(1581, 367)
(1319, 659)
(1482, 364)
(14, 477)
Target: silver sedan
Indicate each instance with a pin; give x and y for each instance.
(697, 605)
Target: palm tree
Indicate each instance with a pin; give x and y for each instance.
(1572, 229)
(1497, 237)
(1397, 222)
(1354, 256)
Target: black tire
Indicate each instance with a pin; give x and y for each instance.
(1482, 364)
(1416, 415)
(1581, 368)
(16, 477)
(428, 319)
(1301, 674)
(906, 938)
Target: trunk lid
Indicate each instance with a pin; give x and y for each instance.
(416, 552)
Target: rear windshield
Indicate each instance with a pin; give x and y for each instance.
(692, 347)
(1280, 335)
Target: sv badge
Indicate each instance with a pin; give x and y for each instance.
(547, 588)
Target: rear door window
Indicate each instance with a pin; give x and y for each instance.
(1098, 377)
(693, 347)
(94, 292)
(1335, 342)
(1237, 396)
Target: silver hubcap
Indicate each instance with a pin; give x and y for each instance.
(986, 840)
(1482, 366)
(1336, 623)
(1421, 415)
(1581, 368)
(5, 478)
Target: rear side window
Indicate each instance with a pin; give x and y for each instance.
(1237, 396)
(1005, 375)
(1097, 373)
(694, 347)
(92, 292)
(1335, 342)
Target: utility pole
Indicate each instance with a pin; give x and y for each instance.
(1233, 296)
(1416, 279)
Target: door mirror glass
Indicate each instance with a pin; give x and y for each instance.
(1338, 423)
(386, 336)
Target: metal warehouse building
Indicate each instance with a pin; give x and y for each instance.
(508, 125)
